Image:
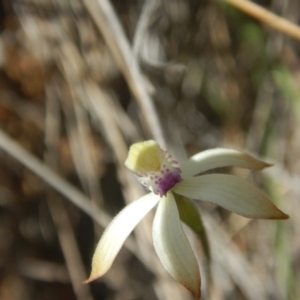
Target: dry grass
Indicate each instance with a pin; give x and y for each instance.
(82, 80)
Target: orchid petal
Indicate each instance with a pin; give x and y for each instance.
(217, 158)
(189, 214)
(116, 233)
(232, 193)
(173, 247)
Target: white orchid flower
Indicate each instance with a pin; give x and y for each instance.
(163, 176)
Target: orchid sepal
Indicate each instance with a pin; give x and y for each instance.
(173, 247)
(117, 232)
(232, 193)
(218, 158)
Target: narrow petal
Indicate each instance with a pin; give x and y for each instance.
(217, 158)
(116, 233)
(173, 247)
(189, 214)
(232, 193)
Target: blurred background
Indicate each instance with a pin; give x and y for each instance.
(81, 80)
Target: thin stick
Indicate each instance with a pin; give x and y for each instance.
(42, 270)
(108, 23)
(267, 17)
(233, 261)
(53, 179)
(57, 208)
(141, 28)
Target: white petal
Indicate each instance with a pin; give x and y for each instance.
(217, 158)
(173, 247)
(117, 232)
(232, 193)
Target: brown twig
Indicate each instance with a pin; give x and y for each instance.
(53, 179)
(267, 17)
(228, 254)
(57, 209)
(106, 20)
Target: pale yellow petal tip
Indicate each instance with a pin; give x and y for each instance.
(196, 293)
(277, 214)
(194, 289)
(258, 164)
(96, 273)
(281, 216)
(264, 165)
(144, 157)
(90, 279)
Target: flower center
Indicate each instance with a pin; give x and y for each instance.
(156, 169)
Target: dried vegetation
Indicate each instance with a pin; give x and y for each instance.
(82, 80)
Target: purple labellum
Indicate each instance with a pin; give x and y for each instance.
(165, 179)
(167, 182)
